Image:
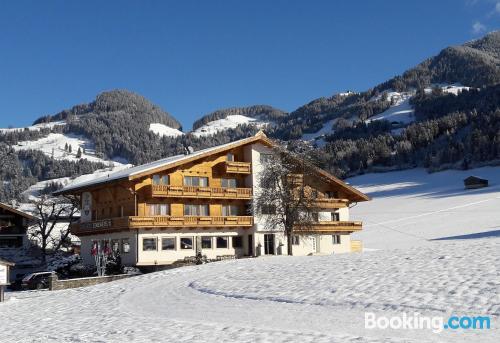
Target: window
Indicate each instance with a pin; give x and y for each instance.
(149, 244)
(159, 209)
(332, 194)
(335, 216)
(336, 239)
(115, 246)
(228, 183)
(265, 158)
(165, 180)
(199, 181)
(156, 179)
(196, 210)
(187, 243)
(268, 209)
(237, 242)
(206, 242)
(168, 243)
(125, 245)
(295, 240)
(222, 243)
(315, 216)
(230, 210)
(230, 157)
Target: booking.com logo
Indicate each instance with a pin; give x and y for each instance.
(418, 322)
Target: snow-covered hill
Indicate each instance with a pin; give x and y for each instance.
(230, 122)
(164, 130)
(311, 298)
(55, 143)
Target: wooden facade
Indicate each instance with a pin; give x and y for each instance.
(203, 193)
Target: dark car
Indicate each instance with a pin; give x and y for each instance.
(39, 280)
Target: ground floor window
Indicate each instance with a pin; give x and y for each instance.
(115, 246)
(186, 243)
(222, 242)
(336, 239)
(206, 242)
(168, 243)
(149, 244)
(125, 245)
(237, 242)
(295, 240)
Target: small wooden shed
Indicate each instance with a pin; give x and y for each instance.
(473, 182)
(4, 276)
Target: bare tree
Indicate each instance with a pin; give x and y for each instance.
(51, 211)
(283, 200)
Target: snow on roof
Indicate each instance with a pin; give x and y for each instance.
(165, 162)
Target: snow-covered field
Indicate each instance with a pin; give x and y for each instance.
(414, 207)
(306, 299)
(164, 130)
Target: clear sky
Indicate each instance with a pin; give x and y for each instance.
(193, 57)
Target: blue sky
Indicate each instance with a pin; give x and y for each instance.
(193, 57)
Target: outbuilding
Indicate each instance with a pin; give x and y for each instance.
(4, 276)
(473, 182)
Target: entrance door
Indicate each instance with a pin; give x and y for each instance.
(315, 241)
(250, 245)
(269, 244)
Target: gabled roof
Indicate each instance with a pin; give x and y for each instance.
(169, 162)
(18, 212)
(174, 161)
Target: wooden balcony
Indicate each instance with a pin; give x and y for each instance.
(188, 222)
(329, 203)
(200, 192)
(231, 167)
(329, 227)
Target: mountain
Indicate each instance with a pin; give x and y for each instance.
(442, 113)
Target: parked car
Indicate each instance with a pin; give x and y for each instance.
(39, 280)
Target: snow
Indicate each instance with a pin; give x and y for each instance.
(413, 207)
(164, 130)
(325, 130)
(439, 258)
(230, 122)
(36, 127)
(54, 144)
(401, 111)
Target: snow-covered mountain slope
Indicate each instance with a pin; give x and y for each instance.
(164, 130)
(54, 146)
(400, 111)
(230, 122)
(325, 130)
(36, 127)
(413, 207)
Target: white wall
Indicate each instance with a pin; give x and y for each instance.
(160, 256)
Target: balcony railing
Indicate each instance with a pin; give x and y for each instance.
(137, 222)
(232, 167)
(327, 227)
(329, 203)
(200, 192)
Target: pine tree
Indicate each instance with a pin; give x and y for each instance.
(79, 153)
